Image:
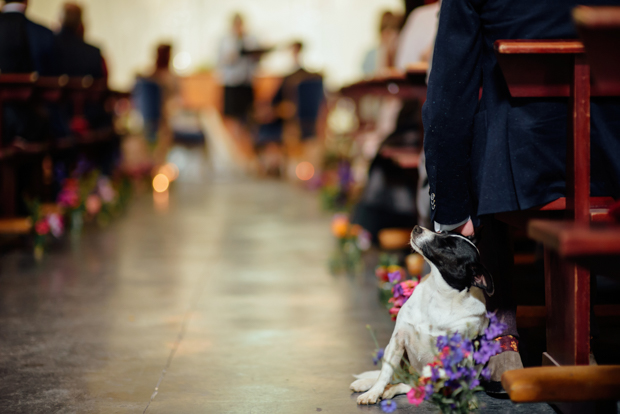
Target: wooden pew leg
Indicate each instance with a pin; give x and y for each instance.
(7, 192)
(567, 295)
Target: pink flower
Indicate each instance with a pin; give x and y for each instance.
(416, 395)
(93, 204)
(69, 196)
(106, 191)
(42, 227)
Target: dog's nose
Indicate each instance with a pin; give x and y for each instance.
(417, 230)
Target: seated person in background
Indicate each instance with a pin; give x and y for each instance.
(291, 118)
(24, 47)
(381, 57)
(76, 57)
(498, 153)
(415, 45)
(417, 36)
(391, 197)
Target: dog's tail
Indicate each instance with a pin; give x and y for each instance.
(367, 374)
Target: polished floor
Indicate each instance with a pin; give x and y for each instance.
(217, 300)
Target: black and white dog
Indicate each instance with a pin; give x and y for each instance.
(449, 299)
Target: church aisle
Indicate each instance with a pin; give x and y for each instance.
(219, 302)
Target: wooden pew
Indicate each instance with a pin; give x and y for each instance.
(599, 29)
(406, 85)
(572, 250)
(558, 68)
(44, 90)
(600, 384)
(573, 246)
(13, 88)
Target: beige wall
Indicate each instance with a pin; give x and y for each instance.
(337, 32)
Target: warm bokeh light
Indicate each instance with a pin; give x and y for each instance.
(160, 183)
(161, 201)
(170, 170)
(304, 171)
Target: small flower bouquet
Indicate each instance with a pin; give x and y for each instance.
(452, 379)
(396, 287)
(45, 223)
(352, 239)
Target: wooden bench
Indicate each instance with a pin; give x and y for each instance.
(46, 90)
(558, 68)
(566, 384)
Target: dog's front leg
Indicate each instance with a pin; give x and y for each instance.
(392, 357)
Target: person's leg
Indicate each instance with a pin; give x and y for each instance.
(497, 255)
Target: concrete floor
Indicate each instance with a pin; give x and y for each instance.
(218, 303)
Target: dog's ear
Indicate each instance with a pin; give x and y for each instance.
(482, 278)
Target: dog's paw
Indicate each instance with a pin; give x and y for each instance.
(362, 385)
(368, 374)
(369, 397)
(395, 390)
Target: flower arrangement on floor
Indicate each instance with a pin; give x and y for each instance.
(451, 381)
(352, 240)
(45, 223)
(85, 196)
(395, 284)
(91, 197)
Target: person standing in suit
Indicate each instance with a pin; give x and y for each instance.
(24, 47)
(19, 34)
(76, 57)
(497, 153)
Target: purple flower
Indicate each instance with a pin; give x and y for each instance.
(456, 340)
(398, 290)
(428, 389)
(486, 351)
(394, 277)
(378, 356)
(467, 346)
(388, 406)
(435, 374)
(474, 383)
(495, 327)
(442, 341)
(486, 373)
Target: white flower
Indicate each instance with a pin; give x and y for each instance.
(426, 371)
(56, 226)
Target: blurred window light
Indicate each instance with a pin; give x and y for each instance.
(182, 61)
(304, 171)
(160, 183)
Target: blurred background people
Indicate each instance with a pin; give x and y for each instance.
(381, 57)
(288, 125)
(417, 37)
(75, 57)
(25, 46)
(157, 98)
(237, 62)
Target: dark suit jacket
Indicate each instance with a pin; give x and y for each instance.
(77, 58)
(499, 153)
(18, 35)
